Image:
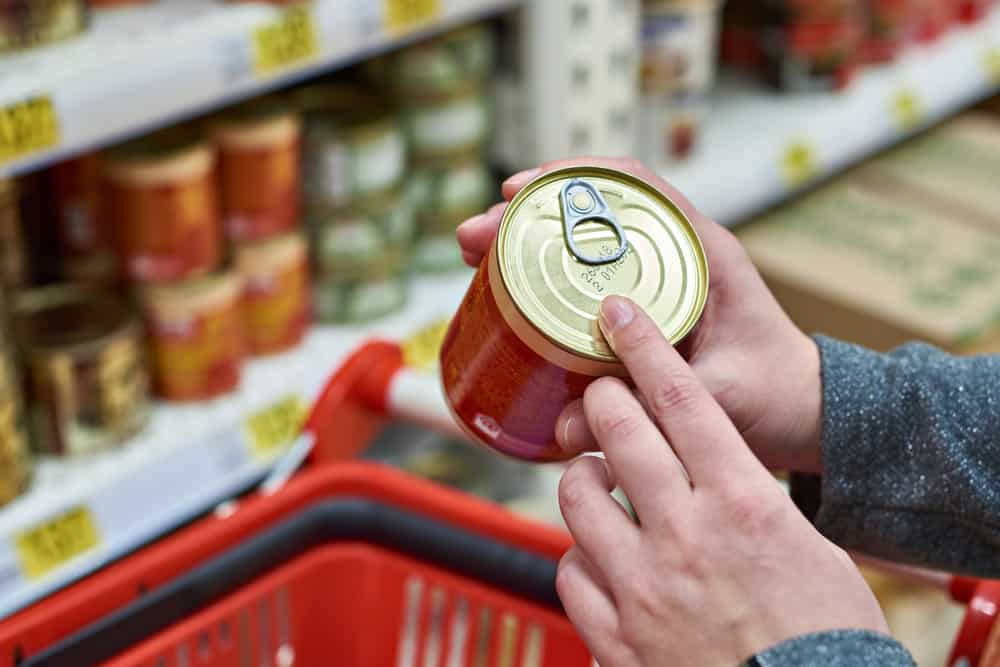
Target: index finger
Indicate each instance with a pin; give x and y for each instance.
(700, 432)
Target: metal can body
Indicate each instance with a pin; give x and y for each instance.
(525, 341)
(354, 149)
(276, 308)
(84, 238)
(26, 24)
(259, 165)
(449, 127)
(357, 301)
(678, 71)
(195, 331)
(15, 460)
(86, 369)
(13, 248)
(439, 66)
(164, 209)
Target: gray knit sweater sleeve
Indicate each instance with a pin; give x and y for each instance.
(911, 456)
(911, 473)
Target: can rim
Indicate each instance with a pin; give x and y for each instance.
(30, 303)
(583, 171)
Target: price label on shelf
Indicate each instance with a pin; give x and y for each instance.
(908, 110)
(401, 15)
(272, 429)
(799, 164)
(27, 127)
(289, 41)
(421, 350)
(991, 63)
(57, 541)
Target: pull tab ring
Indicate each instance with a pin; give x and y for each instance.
(582, 202)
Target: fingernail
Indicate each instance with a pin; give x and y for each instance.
(616, 312)
(565, 433)
(523, 176)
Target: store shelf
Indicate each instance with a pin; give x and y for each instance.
(189, 459)
(759, 147)
(140, 68)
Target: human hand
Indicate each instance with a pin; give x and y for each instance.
(721, 565)
(762, 370)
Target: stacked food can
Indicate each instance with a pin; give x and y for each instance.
(26, 24)
(678, 71)
(440, 88)
(15, 462)
(360, 224)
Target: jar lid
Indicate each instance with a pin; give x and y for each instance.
(558, 262)
(69, 319)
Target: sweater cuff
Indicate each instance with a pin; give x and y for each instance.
(837, 648)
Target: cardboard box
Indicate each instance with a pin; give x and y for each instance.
(953, 169)
(880, 272)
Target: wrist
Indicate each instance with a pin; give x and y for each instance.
(804, 407)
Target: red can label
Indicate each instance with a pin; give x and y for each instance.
(260, 190)
(276, 308)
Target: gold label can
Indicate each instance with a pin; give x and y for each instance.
(525, 341)
(86, 366)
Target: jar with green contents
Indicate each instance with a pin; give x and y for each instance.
(354, 149)
(448, 127)
(377, 292)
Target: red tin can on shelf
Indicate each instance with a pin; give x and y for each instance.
(195, 336)
(87, 255)
(276, 305)
(163, 206)
(259, 163)
(525, 341)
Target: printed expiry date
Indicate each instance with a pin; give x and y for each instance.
(598, 276)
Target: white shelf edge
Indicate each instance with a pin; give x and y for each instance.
(738, 169)
(198, 61)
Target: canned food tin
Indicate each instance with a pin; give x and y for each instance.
(449, 127)
(889, 26)
(437, 254)
(15, 462)
(163, 207)
(446, 196)
(84, 237)
(13, 249)
(195, 336)
(275, 292)
(678, 71)
(29, 23)
(354, 148)
(347, 242)
(86, 368)
(259, 164)
(359, 301)
(525, 341)
(442, 66)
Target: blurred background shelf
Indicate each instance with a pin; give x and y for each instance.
(189, 458)
(758, 148)
(140, 68)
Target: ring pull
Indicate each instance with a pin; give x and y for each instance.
(582, 202)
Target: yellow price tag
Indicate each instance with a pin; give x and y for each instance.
(56, 541)
(421, 350)
(798, 164)
(991, 62)
(28, 127)
(289, 41)
(907, 110)
(275, 427)
(403, 15)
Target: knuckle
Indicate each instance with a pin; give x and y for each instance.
(572, 489)
(677, 393)
(756, 515)
(617, 426)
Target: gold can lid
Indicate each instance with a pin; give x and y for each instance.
(661, 266)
